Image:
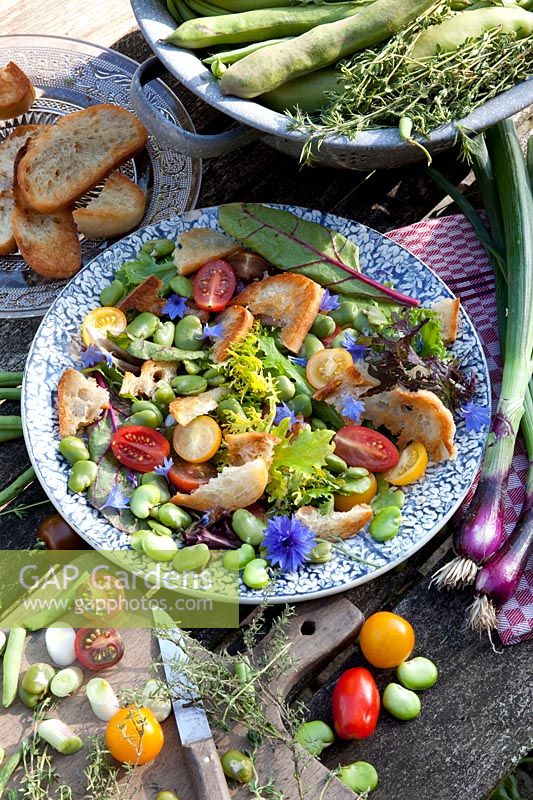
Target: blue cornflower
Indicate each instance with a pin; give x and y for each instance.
(476, 417)
(288, 542)
(115, 499)
(132, 478)
(349, 342)
(302, 362)
(92, 356)
(353, 409)
(169, 421)
(164, 468)
(213, 331)
(175, 306)
(329, 301)
(282, 412)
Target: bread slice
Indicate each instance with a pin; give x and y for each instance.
(448, 311)
(338, 524)
(9, 149)
(7, 238)
(199, 245)
(414, 417)
(288, 301)
(79, 401)
(145, 297)
(185, 409)
(16, 92)
(152, 374)
(116, 210)
(342, 387)
(233, 487)
(243, 447)
(77, 153)
(236, 322)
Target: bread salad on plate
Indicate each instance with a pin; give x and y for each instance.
(253, 391)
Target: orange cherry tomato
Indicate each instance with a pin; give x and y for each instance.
(326, 364)
(198, 441)
(101, 321)
(386, 639)
(345, 502)
(134, 736)
(411, 466)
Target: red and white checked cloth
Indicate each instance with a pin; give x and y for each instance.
(450, 246)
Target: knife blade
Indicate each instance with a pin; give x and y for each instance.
(197, 742)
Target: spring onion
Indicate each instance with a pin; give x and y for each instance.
(102, 698)
(59, 736)
(12, 662)
(3, 639)
(66, 682)
(60, 645)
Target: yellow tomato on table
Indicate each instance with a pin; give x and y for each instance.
(101, 321)
(411, 466)
(134, 736)
(386, 639)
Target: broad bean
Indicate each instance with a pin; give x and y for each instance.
(166, 795)
(161, 530)
(249, 528)
(360, 777)
(182, 286)
(149, 417)
(301, 405)
(136, 539)
(159, 481)
(285, 388)
(419, 673)
(191, 367)
(386, 524)
(323, 326)
(310, 346)
(162, 397)
(189, 333)
(354, 473)
(147, 405)
(173, 516)
(82, 475)
(112, 293)
(195, 557)
(402, 703)
(165, 334)
(37, 678)
(158, 247)
(321, 553)
(255, 574)
(318, 424)
(73, 449)
(188, 385)
(237, 559)
(143, 498)
(143, 325)
(345, 313)
(159, 548)
(314, 736)
(336, 464)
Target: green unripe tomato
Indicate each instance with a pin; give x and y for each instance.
(345, 313)
(195, 557)
(237, 559)
(237, 766)
(402, 703)
(386, 524)
(310, 346)
(419, 673)
(189, 333)
(301, 404)
(315, 736)
(173, 516)
(360, 777)
(255, 574)
(182, 286)
(323, 326)
(143, 325)
(148, 417)
(321, 553)
(112, 293)
(82, 475)
(136, 539)
(164, 335)
(249, 528)
(159, 248)
(143, 498)
(157, 547)
(73, 449)
(336, 464)
(37, 678)
(189, 385)
(284, 387)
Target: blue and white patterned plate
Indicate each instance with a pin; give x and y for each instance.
(429, 503)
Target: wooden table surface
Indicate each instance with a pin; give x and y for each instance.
(477, 720)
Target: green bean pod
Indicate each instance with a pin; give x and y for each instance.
(203, 8)
(308, 93)
(231, 56)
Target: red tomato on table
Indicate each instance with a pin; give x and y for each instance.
(356, 704)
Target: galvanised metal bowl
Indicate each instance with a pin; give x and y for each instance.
(381, 148)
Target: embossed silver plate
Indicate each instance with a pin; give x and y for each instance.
(69, 75)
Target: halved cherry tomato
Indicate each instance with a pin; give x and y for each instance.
(326, 364)
(248, 266)
(139, 447)
(345, 502)
(411, 466)
(199, 440)
(386, 639)
(187, 477)
(214, 284)
(363, 447)
(134, 736)
(98, 648)
(101, 597)
(101, 321)
(356, 704)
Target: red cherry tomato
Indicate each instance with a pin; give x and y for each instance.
(139, 447)
(187, 477)
(356, 704)
(98, 648)
(214, 284)
(363, 447)
(248, 266)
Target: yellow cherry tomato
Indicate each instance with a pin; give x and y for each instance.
(386, 639)
(198, 441)
(345, 502)
(101, 321)
(134, 736)
(411, 466)
(326, 364)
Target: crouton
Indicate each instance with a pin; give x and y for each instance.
(7, 238)
(448, 311)
(340, 388)
(199, 245)
(236, 322)
(414, 417)
(233, 487)
(117, 209)
(185, 409)
(153, 373)
(145, 297)
(79, 401)
(288, 301)
(10, 147)
(16, 92)
(243, 447)
(338, 524)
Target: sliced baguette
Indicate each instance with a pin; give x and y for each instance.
(77, 153)
(243, 447)
(194, 248)
(7, 237)
(236, 322)
(338, 524)
(10, 147)
(448, 311)
(185, 409)
(153, 373)
(116, 210)
(79, 401)
(233, 487)
(145, 297)
(16, 92)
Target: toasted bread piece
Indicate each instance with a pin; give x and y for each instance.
(185, 409)
(237, 322)
(116, 210)
(7, 238)
(145, 297)
(448, 311)
(77, 153)
(79, 401)
(10, 147)
(152, 374)
(340, 388)
(233, 487)
(414, 417)
(199, 245)
(16, 92)
(338, 524)
(289, 301)
(243, 447)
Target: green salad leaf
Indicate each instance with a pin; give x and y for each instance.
(273, 359)
(134, 272)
